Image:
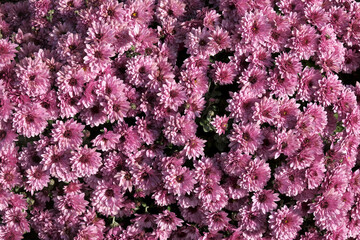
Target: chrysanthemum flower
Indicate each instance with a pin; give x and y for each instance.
(327, 210)
(178, 129)
(179, 180)
(194, 148)
(197, 42)
(288, 181)
(256, 175)
(330, 88)
(285, 224)
(219, 39)
(254, 78)
(252, 221)
(101, 32)
(16, 219)
(172, 95)
(289, 65)
(138, 70)
(224, 73)
(34, 76)
(7, 52)
(98, 56)
(266, 111)
(9, 176)
(107, 198)
(37, 178)
(255, 27)
(30, 120)
(264, 201)
(220, 124)
(286, 142)
(7, 135)
(241, 105)
(168, 221)
(71, 204)
(217, 221)
(305, 41)
(58, 163)
(246, 137)
(106, 141)
(68, 134)
(85, 161)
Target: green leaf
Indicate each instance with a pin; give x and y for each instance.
(49, 15)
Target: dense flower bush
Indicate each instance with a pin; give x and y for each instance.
(179, 119)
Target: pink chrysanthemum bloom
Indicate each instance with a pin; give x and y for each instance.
(170, 9)
(146, 178)
(71, 79)
(194, 148)
(71, 204)
(255, 27)
(305, 41)
(94, 115)
(7, 52)
(106, 141)
(116, 109)
(207, 171)
(107, 198)
(172, 95)
(287, 143)
(37, 178)
(246, 137)
(352, 122)
(255, 79)
(285, 223)
(241, 105)
(264, 201)
(219, 39)
(68, 134)
(309, 83)
(289, 65)
(197, 42)
(110, 87)
(212, 197)
(101, 32)
(252, 221)
(316, 15)
(266, 111)
(69, 106)
(288, 181)
(327, 210)
(179, 180)
(329, 90)
(16, 219)
(138, 70)
(71, 47)
(167, 221)
(58, 163)
(220, 124)
(30, 120)
(224, 73)
(98, 56)
(85, 161)
(352, 61)
(7, 135)
(34, 76)
(179, 129)
(282, 86)
(9, 176)
(256, 175)
(217, 221)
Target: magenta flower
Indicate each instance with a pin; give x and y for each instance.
(220, 124)
(37, 178)
(30, 120)
(68, 134)
(179, 180)
(106, 141)
(246, 137)
(168, 221)
(85, 161)
(285, 223)
(264, 201)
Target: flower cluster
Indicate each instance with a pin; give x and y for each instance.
(179, 119)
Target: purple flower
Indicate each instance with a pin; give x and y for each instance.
(68, 134)
(285, 223)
